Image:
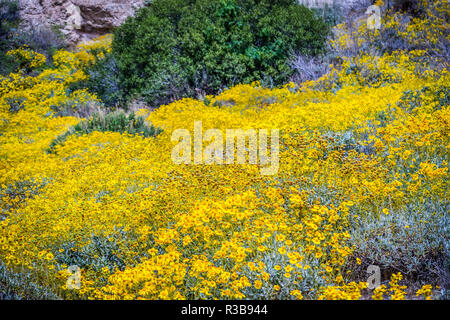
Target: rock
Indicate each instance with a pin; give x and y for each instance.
(79, 20)
(74, 20)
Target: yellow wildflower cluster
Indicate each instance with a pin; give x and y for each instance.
(395, 291)
(27, 57)
(350, 291)
(425, 291)
(356, 291)
(141, 227)
(396, 30)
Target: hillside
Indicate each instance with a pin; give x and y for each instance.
(360, 180)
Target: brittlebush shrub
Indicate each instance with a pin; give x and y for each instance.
(177, 48)
(42, 39)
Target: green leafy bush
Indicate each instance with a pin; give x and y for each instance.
(177, 48)
(103, 80)
(117, 121)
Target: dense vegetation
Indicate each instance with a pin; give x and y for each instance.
(44, 40)
(363, 179)
(9, 18)
(177, 48)
(112, 122)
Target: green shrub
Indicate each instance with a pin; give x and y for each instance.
(9, 20)
(117, 121)
(177, 48)
(103, 80)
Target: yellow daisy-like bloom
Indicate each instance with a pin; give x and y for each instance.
(288, 268)
(297, 293)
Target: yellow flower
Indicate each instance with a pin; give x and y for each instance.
(187, 240)
(297, 294)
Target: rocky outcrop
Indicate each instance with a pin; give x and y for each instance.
(79, 20)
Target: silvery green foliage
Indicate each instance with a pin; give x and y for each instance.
(20, 285)
(414, 240)
(22, 190)
(117, 121)
(107, 251)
